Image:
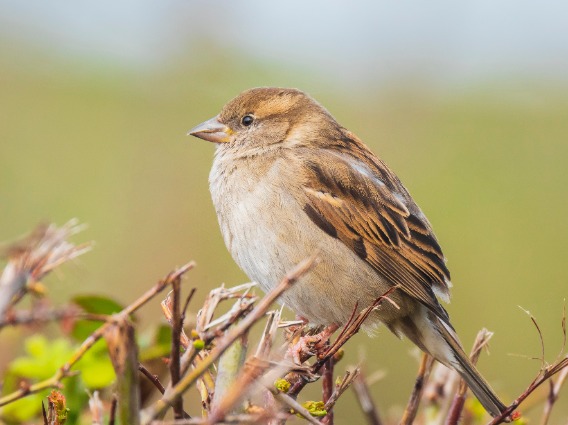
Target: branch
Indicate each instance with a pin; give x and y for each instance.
(544, 375)
(123, 353)
(152, 378)
(365, 400)
(42, 315)
(414, 402)
(351, 328)
(225, 342)
(243, 418)
(64, 371)
(245, 303)
(327, 389)
(340, 387)
(112, 415)
(253, 369)
(177, 330)
(553, 395)
(293, 404)
(230, 364)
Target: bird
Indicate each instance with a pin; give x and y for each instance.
(288, 181)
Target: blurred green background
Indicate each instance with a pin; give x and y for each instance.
(468, 108)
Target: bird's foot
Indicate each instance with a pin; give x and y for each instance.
(310, 345)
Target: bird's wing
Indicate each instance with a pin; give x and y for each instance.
(358, 200)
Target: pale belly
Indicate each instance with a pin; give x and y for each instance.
(268, 234)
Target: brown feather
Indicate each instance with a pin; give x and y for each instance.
(294, 166)
(358, 200)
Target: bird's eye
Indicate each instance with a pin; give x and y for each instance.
(247, 120)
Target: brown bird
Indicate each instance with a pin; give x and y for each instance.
(287, 181)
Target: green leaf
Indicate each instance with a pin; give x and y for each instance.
(36, 345)
(24, 409)
(43, 359)
(26, 367)
(96, 368)
(164, 335)
(92, 304)
(98, 304)
(99, 374)
(159, 346)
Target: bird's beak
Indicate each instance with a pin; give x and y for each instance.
(212, 131)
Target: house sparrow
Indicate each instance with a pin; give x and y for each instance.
(288, 181)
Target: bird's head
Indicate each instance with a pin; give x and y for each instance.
(265, 116)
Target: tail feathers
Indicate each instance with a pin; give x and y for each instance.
(469, 373)
(439, 340)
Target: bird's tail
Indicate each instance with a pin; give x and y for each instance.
(438, 339)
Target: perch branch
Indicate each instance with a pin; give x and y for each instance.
(423, 373)
(247, 322)
(352, 326)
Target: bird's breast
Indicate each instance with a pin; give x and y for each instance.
(268, 233)
(258, 217)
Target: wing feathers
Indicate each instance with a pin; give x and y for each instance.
(377, 219)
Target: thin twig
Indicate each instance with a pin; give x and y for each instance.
(263, 351)
(341, 387)
(327, 388)
(353, 327)
(253, 369)
(112, 417)
(245, 303)
(409, 414)
(64, 371)
(288, 401)
(555, 388)
(186, 305)
(355, 322)
(152, 378)
(239, 309)
(545, 373)
(175, 354)
(243, 418)
(365, 400)
(269, 334)
(41, 315)
(543, 376)
(205, 315)
(225, 342)
(168, 309)
(540, 337)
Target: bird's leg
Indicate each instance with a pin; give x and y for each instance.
(309, 345)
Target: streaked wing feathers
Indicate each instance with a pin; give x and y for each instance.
(378, 220)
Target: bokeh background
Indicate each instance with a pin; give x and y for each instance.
(467, 101)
